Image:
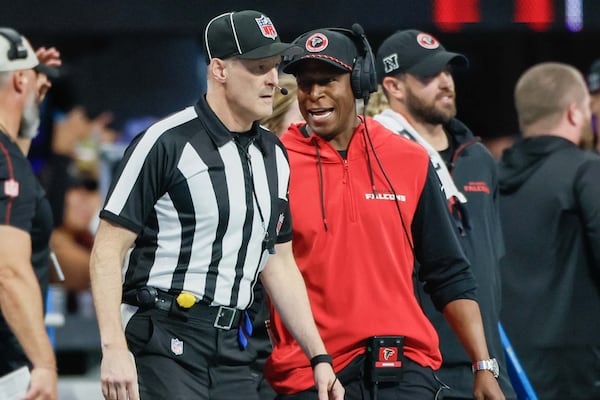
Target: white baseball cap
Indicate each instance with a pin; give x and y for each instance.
(16, 52)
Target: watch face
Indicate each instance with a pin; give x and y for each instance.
(495, 369)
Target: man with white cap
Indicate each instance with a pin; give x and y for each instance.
(26, 218)
(197, 207)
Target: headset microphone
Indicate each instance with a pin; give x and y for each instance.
(282, 90)
(358, 29)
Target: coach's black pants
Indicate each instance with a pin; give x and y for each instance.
(418, 383)
(183, 360)
(11, 354)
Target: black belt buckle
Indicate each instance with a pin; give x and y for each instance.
(225, 317)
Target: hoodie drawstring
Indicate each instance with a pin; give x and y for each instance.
(364, 136)
(321, 183)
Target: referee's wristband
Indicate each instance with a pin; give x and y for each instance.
(321, 358)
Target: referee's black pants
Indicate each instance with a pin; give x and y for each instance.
(418, 383)
(183, 360)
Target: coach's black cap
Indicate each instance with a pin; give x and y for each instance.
(245, 34)
(593, 77)
(327, 45)
(415, 52)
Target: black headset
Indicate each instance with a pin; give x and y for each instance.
(363, 78)
(17, 49)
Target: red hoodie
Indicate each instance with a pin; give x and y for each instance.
(358, 272)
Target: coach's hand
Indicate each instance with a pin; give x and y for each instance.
(328, 386)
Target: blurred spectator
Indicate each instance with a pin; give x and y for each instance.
(72, 239)
(550, 208)
(496, 145)
(70, 177)
(75, 147)
(591, 140)
(285, 107)
(378, 102)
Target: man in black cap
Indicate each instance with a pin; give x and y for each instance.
(415, 73)
(593, 82)
(365, 203)
(196, 214)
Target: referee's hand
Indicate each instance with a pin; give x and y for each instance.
(119, 375)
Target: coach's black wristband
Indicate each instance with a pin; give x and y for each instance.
(321, 358)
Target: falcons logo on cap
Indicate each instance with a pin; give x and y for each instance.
(316, 43)
(427, 41)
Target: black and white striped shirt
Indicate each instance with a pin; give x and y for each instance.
(207, 207)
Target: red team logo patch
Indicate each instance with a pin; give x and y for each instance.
(427, 41)
(388, 357)
(266, 27)
(316, 43)
(477, 187)
(388, 354)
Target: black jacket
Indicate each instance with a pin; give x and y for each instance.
(474, 172)
(550, 204)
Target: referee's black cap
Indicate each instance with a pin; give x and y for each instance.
(245, 34)
(593, 77)
(415, 52)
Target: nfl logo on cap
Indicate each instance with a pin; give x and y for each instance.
(266, 27)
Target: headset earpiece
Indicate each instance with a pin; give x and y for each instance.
(357, 78)
(363, 78)
(17, 49)
(368, 77)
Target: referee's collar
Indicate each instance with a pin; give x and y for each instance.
(219, 133)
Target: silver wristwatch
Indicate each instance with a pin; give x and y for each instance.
(487, 365)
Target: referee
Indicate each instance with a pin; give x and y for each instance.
(197, 206)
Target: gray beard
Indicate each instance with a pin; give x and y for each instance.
(30, 121)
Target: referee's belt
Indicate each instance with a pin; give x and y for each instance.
(184, 305)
